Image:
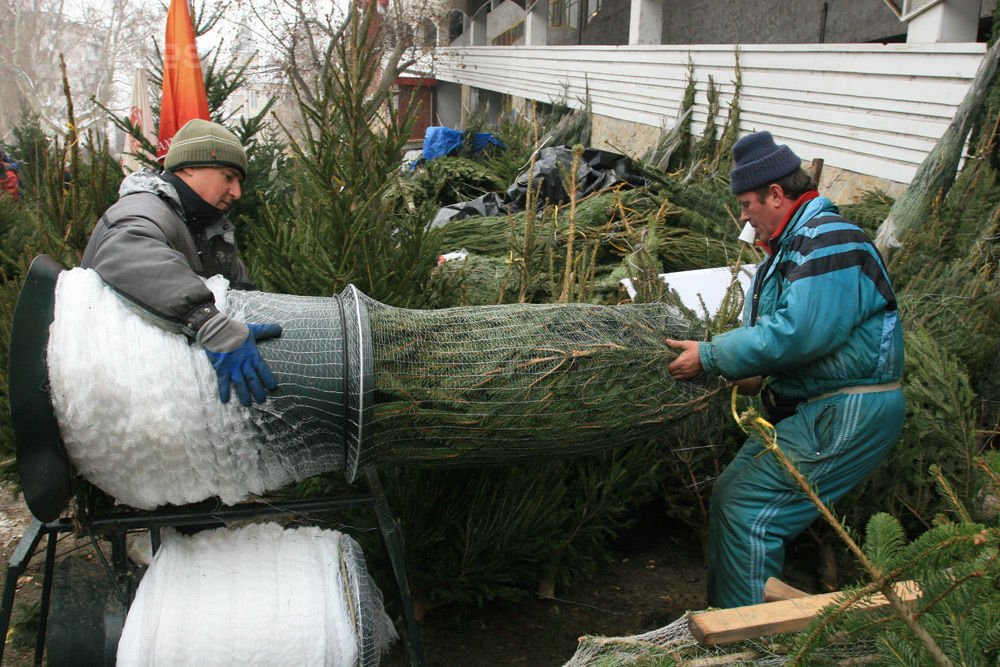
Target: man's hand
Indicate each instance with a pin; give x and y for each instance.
(244, 368)
(688, 363)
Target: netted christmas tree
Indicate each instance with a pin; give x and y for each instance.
(524, 381)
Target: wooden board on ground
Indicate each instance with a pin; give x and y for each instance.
(725, 626)
(775, 589)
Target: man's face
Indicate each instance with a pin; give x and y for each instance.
(765, 213)
(219, 186)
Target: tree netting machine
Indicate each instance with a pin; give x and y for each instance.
(106, 404)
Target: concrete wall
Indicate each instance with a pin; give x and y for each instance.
(633, 139)
(502, 19)
(448, 104)
(777, 21)
(562, 35)
(486, 104)
(847, 187)
(610, 25)
(620, 136)
(733, 22)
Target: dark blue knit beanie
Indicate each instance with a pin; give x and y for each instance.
(758, 161)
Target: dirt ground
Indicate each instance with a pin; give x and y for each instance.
(14, 518)
(637, 592)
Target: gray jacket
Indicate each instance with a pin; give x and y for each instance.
(146, 250)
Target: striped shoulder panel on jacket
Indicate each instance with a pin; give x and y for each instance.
(802, 259)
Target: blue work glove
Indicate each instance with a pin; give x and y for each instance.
(242, 366)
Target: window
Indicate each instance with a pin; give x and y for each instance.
(564, 13)
(593, 9)
(456, 24)
(510, 36)
(430, 32)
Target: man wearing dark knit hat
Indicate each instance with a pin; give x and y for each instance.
(167, 233)
(821, 325)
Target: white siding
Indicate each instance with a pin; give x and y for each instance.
(868, 108)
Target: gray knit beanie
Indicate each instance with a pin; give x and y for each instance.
(202, 143)
(758, 161)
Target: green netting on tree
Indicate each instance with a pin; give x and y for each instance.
(494, 384)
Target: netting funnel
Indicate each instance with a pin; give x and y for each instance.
(323, 361)
(361, 384)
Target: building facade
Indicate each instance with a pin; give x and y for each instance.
(868, 86)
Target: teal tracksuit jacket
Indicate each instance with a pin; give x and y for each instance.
(822, 324)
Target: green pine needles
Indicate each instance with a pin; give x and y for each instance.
(498, 384)
(956, 567)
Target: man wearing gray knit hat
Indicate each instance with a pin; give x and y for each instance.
(167, 233)
(821, 329)
(203, 143)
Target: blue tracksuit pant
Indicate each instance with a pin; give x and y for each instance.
(757, 507)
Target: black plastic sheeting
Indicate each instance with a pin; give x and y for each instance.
(597, 170)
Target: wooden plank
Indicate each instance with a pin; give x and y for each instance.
(775, 589)
(725, 626)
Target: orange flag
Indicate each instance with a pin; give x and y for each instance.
(184, 95)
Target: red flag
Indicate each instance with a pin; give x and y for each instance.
(184, 95)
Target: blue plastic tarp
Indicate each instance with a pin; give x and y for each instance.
(483, 139)
(443, 141)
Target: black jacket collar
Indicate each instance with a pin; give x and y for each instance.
(196, 210)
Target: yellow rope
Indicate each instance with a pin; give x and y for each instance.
(750, 423)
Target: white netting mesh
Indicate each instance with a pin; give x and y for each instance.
(256, 595)
(138, 407)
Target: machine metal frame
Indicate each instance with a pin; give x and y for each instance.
(115, 525)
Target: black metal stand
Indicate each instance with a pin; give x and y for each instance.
(115, 525)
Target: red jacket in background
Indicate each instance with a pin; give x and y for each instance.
(10, 183)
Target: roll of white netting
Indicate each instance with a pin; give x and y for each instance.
(257, 595)
(138, 407)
